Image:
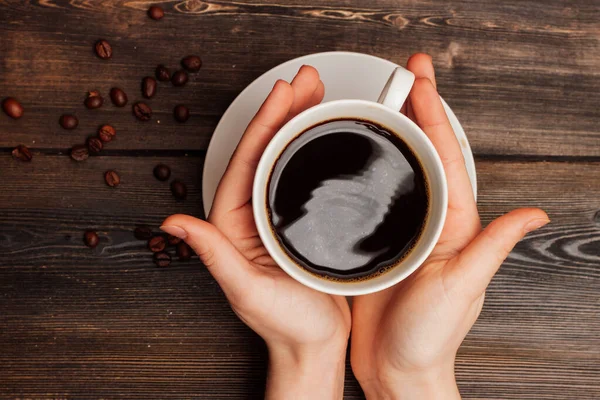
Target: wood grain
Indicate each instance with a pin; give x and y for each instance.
(522, 76)
(84, 323)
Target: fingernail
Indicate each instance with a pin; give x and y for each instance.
(175, 231)
(535, 224)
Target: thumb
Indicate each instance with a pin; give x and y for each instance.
(228, 266)
(473, 269)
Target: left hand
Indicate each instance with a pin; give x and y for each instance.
(306, 331)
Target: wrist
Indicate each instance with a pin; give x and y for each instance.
(434, 384)
(306, 372)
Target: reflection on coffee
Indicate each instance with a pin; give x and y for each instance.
(347, 200)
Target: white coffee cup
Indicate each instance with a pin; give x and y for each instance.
(383, 113)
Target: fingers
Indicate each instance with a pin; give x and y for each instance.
(230, 269)
(235, 188)
(305, 84)
(472, 270)
(421, 65)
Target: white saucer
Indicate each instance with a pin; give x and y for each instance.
(345, 75)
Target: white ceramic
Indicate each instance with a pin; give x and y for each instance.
(385, 113)
(346, 75)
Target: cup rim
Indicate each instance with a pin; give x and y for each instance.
(259, 204)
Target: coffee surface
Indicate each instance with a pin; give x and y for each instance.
(347, 200)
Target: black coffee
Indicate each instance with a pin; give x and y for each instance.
(347, 200)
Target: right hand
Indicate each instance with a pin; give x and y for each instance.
(405, 339)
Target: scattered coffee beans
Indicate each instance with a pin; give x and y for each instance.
(68, 121)
(142, 111)
(22, 153)
(12, 108)
(106, 133)
(148, 87)
(179, 78)
(162, 172)
(142, 232)
(103, 49)
(111, 178)
(94, 145)
(181, 113)
(94, 100)
(91, 239)
(173, 240)
(118, 97)
(80, 152)
(184, 252)
(156, 13)
(192, 63)
(157, 243)
(162, 259)
(179, 190)
(162, 73)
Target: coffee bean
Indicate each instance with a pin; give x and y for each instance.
(162, 73)
(22, 153)
(173, 240)
(112, 178)
(103, 49)
(157, 243)
(142, 111)
(148, 87)
(162, 259)
(142, 232)
(79, 152)
(156, 13)
(184, 252)
(12, 107)
(106, 133)
(181, 113)
(118, 97)
(192, 63)
(94, 100)
(162, 172)
(179, 78)
(179, 190)
(68, 121)
(90, 238)
(94, 145)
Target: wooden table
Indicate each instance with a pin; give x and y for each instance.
(522, 76)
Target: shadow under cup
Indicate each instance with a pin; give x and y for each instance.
(327, 189)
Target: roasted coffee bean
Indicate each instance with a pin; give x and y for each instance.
(179, 78)
(68, 121)
(142, 111)
(103, 49)
(91, 239)
(192, 63)
(162, 259)
(12, 107)
(156, 13)
(94, 100)
(162, 73)
(118, 97)
(94, 145)
(111, 178)
(148, 87)
(173, 240)
(80, 152)
(22, 153)
(142, 232)
(162, 172)
(181, 113)
(179, 190)
(157, 243)
(106, 133)
(184, 252)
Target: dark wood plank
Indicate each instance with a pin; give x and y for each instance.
(521, 75)
(108, 323)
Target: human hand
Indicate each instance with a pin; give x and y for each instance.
(306, 331)
(405, 339)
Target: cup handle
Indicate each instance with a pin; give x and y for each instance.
(397, 88)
